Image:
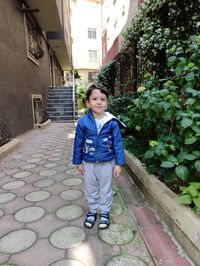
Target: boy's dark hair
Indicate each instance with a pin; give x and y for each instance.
(97, 87)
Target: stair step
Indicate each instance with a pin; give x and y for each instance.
(60, 101)
(59, 106)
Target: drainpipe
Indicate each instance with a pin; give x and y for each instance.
(73, 95)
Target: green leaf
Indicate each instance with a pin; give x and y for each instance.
(149, 154)
(196, 153)
(186, 122)
(190, 157)
(189, 101)
(197, 202)
(185, 199)
(178, 71)
(197, 165)
(165, 153)
(171, 60)
(190, 140)
(189, 76)
(192, 191)
(182, 188)
(182, 172)
(195, 184)
(192, 91)
(167, 164)
(196, 129)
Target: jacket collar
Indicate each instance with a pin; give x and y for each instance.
(109, 117)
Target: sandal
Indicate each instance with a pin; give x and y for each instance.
(104, 220)
(90, 220)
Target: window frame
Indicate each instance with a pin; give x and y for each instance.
(92, 33)
(92, 55)
(33, 39)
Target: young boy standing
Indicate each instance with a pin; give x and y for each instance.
(98, 154)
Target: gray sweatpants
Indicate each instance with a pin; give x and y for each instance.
(98, 185)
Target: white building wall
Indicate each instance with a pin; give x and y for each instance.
(116, 16)
(85, 14)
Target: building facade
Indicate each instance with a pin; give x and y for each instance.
(86, 39)
(116, 17)
(35, 49)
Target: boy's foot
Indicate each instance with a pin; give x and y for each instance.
(104, 220)
(90, 220)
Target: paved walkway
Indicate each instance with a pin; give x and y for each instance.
(42, 209)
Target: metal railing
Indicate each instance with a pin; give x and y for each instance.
(5, 133)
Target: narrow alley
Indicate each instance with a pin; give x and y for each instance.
(42, 208)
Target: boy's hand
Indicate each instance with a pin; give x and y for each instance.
(117, 171)
(80, 169)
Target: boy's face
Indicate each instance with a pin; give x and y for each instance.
(97, 102)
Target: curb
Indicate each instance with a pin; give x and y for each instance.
(9, 147)
(43, 125)
(182, 222)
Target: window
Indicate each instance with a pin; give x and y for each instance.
(92, 55)
(33, 39)
(92, 34)
(91, 76)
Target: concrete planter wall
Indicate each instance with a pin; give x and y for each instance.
(9, 147)
(181, 220)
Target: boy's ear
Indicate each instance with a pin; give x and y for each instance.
(87, 104)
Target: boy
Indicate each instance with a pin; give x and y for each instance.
(97, 143)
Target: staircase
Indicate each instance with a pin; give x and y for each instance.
(60, 104)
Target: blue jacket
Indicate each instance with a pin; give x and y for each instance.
(89, 146)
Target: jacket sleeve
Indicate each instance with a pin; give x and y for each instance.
(118, 146)
(78, 144)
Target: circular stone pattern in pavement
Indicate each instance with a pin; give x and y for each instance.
(13, 185)
(68, 262)
(67, 237)
(5, 197)
(54, 159)
(70, 212)
(37, 196)
(1, 213)
(22, 174)
(125, 260)
(38, 155)
(28, 166)
(44, 183)
(71, 194)
(17, 241)
(116, 210)
(50, 165)
(34, 160)
(74, 181)
(48, 172)
(117, 234)
(72, 171)
(29, 214)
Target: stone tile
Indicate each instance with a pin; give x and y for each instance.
(13, 206)
(52, 204)
(138, 248)
(21, 192)
(87, 252)
(41, 254)
(144, 216)
(132, 195)
(40, 226)
(56, 189)
(8, 224)
(158, 242)
(124, 181)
